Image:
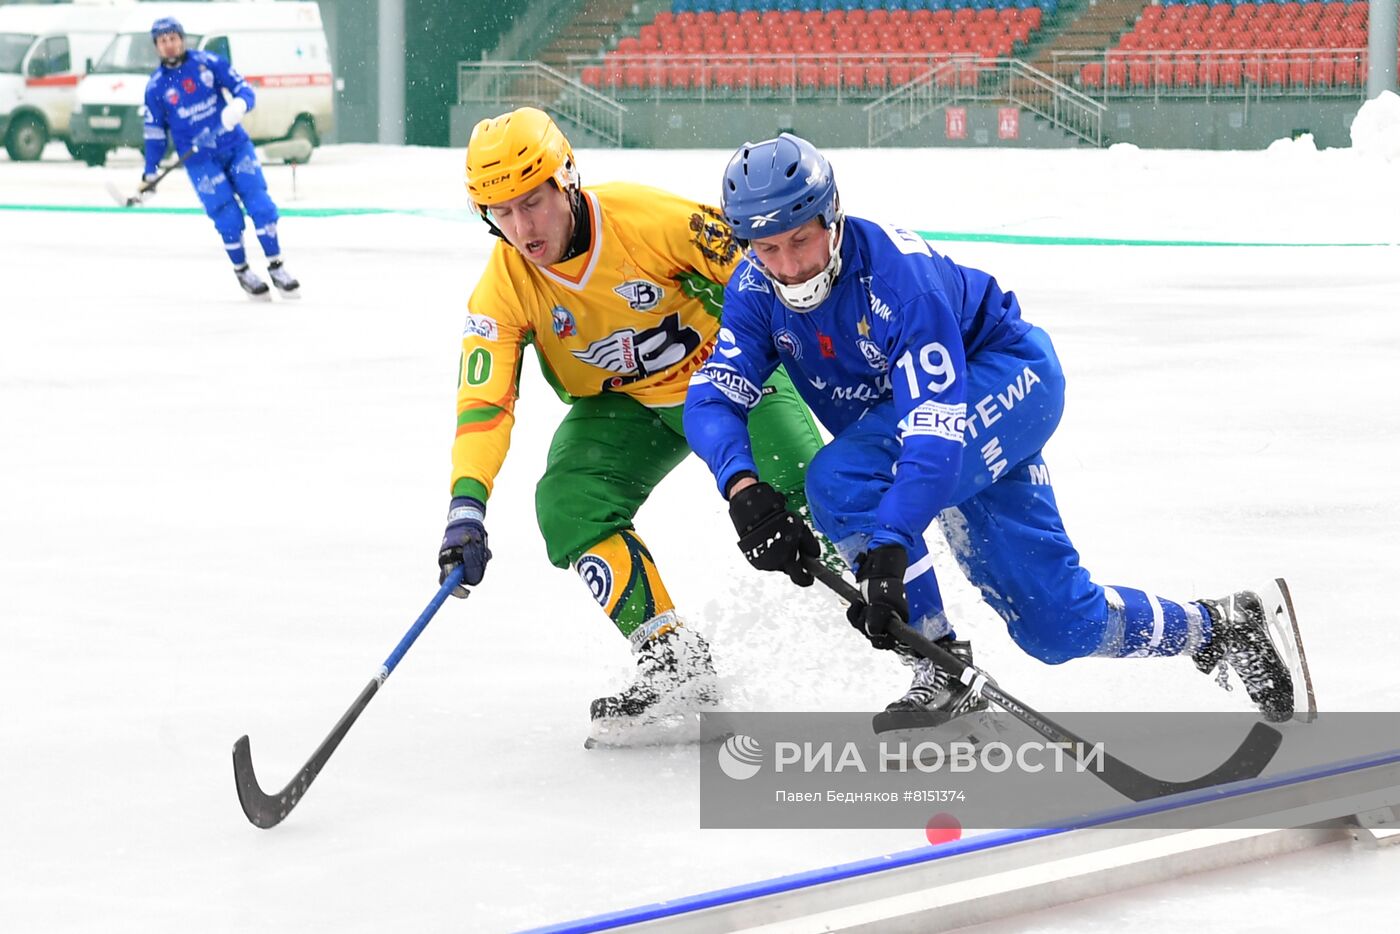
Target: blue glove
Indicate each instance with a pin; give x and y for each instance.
(206, 139)
(464, 543)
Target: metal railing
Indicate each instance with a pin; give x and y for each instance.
(1211, 74)
(972, 78)
(519, 84)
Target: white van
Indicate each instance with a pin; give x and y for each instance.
(43, 51)
(280, 48)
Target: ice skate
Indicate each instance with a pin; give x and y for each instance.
(252, 283)
(287, 286)
(1256, 635)
(937, 707)
(675, 680)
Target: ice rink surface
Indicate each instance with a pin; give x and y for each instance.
(218, 517)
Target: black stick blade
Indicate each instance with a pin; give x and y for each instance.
(263, 810)
(1248, 761)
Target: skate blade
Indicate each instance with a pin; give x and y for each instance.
(292, 296)
(264, 297)
(1282, 624)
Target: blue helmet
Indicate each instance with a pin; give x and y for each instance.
(776, 185)
(166, 24)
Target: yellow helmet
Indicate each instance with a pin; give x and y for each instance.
(515, 152)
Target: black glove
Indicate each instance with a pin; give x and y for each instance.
(464, 543)
(881, 578)
(771, 536)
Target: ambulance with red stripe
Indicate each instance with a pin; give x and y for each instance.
(43, 51)
(280, 48)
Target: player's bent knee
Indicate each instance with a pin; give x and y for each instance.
(570, 520)
(1056, 638)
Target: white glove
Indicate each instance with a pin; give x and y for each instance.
(234, 112)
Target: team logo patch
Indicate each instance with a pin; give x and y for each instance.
(189, 85)
(207, 77)
(712, 236)
(640, 294)
(873, 355)
(172, 96)
(481, 326)
(597, 577)
(564, 324)
(787, 343)
(751, 280)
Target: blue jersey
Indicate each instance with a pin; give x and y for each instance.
(900, 323)
(186, 100)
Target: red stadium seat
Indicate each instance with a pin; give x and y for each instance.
(1227, 73)
(901, 72)
(853, 73)
(1299, 71)
(1162, 71)
(1276, 72)
(877, 16)
(1091, 76)
(1322, 71)
(1184, 71)
(1117, 74)
(876, 76)
(1344, 71)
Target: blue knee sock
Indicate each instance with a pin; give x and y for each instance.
(267, 236)
(1141, 625)
(236, 253)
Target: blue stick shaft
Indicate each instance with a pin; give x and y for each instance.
(453, 581)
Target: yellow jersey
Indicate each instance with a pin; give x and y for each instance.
(636, 313)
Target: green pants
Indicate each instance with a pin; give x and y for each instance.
(611, 451)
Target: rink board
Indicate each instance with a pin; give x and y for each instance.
(1001, 874)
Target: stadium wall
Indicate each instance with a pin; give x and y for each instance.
(1235, 124)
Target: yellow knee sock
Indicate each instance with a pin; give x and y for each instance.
(623, 579)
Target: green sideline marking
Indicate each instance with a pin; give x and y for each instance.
(943, 236)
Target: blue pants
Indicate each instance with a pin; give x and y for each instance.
(1003, 525)
(222, 179)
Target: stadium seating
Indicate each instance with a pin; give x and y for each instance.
(1186, 46)
(861, 47)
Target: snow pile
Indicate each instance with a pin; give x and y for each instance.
(1293, 149)
(1376, 128)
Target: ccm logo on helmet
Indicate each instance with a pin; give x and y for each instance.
(495, 181)
(759, 220)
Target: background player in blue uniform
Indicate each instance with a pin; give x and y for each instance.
(940, 398)
(185, 98)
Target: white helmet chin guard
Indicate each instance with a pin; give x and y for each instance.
(805, 296)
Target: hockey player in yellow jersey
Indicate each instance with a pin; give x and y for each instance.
(619, 287)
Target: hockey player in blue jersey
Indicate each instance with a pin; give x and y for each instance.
(940, 397)
(185, 98)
